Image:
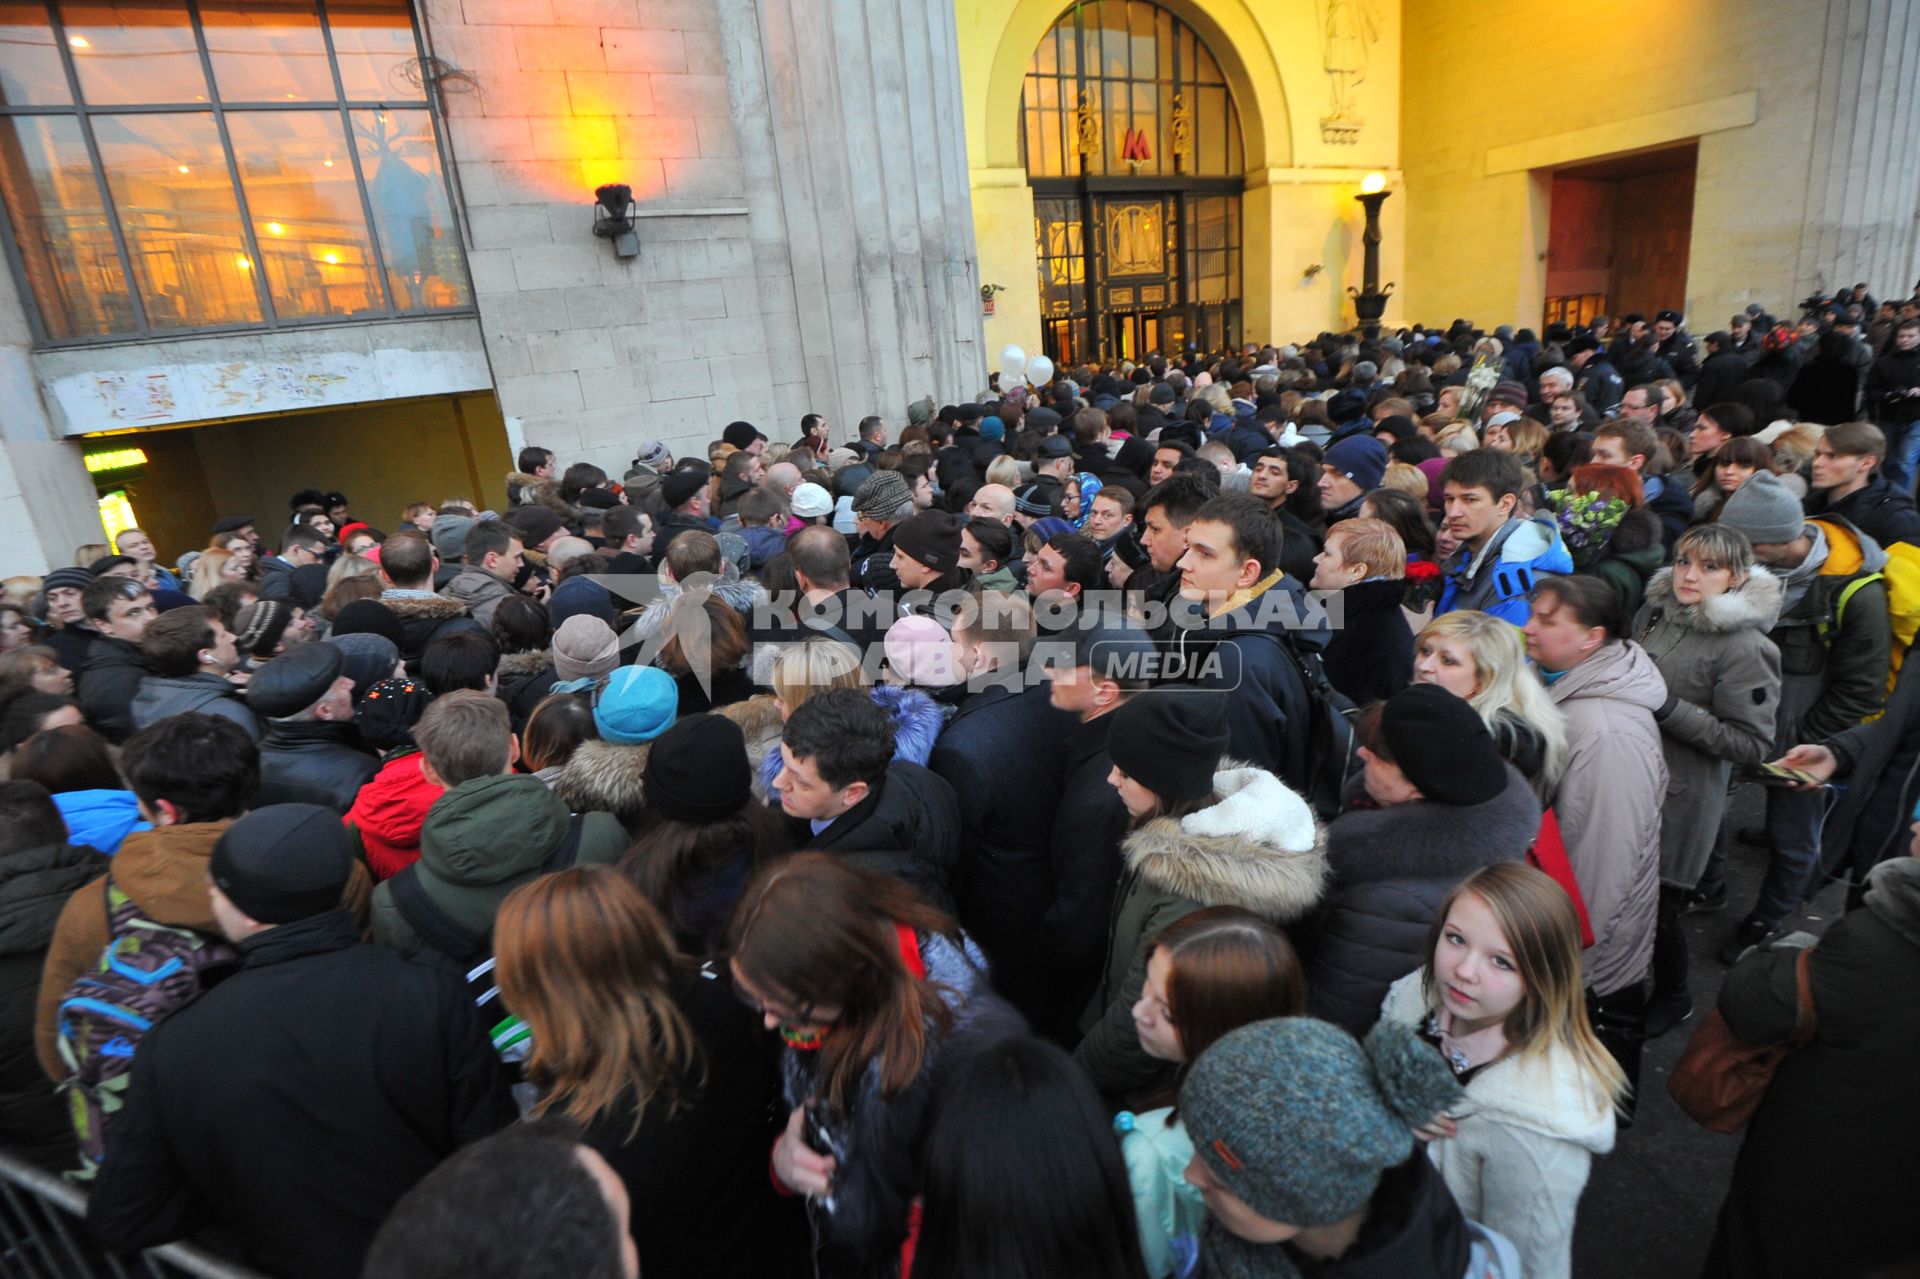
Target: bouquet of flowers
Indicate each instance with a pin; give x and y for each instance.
(1587, 523)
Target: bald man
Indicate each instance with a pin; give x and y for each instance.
(783, 478)
(992, 502)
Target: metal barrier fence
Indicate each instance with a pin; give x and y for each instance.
(43, 1235)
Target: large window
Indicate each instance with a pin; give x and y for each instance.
(172, 166)
(1122, 88)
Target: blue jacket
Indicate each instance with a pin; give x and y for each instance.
(1522, 552)
(100, 818)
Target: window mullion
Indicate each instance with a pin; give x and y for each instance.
(353, 156)
(259, 272)
(107, 204)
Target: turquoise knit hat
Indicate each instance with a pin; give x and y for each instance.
(636, 704)
(1299, 1120)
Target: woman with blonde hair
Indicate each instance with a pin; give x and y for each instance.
(347, 566)
(213, 567)
(1484, 659)
(661, 1067)
(1500, 999)
(1004, 471)
(806, 670)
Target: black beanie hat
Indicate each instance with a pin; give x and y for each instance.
(370, 617)
(932, 537)
(697, 770)
(388, 710)
(1171, 743)
(1442, 745)
(284, 862)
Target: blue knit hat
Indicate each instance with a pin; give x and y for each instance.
(1297, 1119)
(636, 704)
(1360, 458)
(992, 428)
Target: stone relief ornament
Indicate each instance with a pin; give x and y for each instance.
(1348, 30)
(1182, 125)
(1086, 126)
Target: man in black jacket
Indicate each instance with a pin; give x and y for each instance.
(310, 753)
(1893, 398)
(119, 609)
(1847, 481)
(840, 777)
(295, 1102)
(882, 502)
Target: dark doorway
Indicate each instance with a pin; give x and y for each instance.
(1619, 234)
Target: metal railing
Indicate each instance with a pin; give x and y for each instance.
(43, 1235)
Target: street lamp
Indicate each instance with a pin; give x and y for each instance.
(1370, 300)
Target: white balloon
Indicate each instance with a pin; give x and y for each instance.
(1013, 361)
(1040, 370)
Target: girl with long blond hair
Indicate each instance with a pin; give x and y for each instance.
(1500, 999)
(1483, 659)
(659, 1064)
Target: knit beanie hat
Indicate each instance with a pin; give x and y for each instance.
(77, 579)
(920, 652)
(535, 524)
(259, 626)
(370, 659)
(992, 428)
(1171, 743)
(307, 585)
(1360, 458)
(388, 710)
(678, 487)
(810, 502)
(697, 770)
(1442, 745)
(1764, 510)
(369, 617)
(931, 537)
(1297, 1119)
(636, 705)
(449, 536)
(584, 647)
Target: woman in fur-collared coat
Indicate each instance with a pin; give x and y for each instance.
(1206, 831)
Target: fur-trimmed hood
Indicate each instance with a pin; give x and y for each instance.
(522, 665)
(1543, 1090)
(1754, 605)
(1258, 848)
(439, 608)
(1427, 840)
(604, 777)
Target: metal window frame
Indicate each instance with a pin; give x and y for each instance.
(343, 107)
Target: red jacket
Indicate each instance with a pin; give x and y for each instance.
(388, 813)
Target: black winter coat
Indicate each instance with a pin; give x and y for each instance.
(108, 683)
(1821, 1184)
(1891, 376)
(312, 762)
(703, 1206)
(294, 1103)
(908, 826)
(1267, 713)
(1879, 510)
(34, 886)
(1001, 753)
(1391, 868)
(873, 565)
(1826, 391)
(425, 617)
(1370, 656)
(1720, 375)
(1069, 920)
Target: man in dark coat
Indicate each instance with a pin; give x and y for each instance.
(310, 753)
(295, 1102)
(1722, 372)
(119, 609)
(839, 776)
(407, 576)
(883, 501)
(1848, 482)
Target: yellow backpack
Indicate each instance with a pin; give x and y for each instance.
(1901, 574)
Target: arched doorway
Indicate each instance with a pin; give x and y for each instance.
(1132, 144)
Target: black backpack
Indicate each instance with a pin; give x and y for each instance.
(474, 951)
(1322, 753)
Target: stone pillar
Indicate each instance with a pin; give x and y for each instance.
(863, 186)
(1863, 176)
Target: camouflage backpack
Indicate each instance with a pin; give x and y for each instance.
(146, 971)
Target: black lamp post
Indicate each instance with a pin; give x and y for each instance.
(1370, 300)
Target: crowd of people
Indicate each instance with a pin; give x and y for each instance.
(1223, 816)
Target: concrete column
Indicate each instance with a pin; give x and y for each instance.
(858, 103)
(1863, 174)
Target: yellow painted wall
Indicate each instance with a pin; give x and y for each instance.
(1298, 209)
(1492, 98)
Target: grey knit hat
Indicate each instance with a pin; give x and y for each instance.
(1297, 1119)
(1765, 510)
